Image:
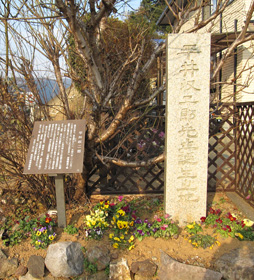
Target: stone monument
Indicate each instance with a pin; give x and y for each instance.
(187, 126)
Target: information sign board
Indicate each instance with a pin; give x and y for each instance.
(56, 147)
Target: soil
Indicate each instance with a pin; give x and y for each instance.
(150, 248)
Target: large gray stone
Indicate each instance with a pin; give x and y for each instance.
(36, 266)
(174, 270)
(237, 264)
(65, 259)
(98, 255)
(119, 270)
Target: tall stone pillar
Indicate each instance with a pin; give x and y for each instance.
(187, 126)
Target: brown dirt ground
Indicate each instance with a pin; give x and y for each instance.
(180, 249)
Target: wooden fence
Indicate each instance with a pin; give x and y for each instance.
(230, 160)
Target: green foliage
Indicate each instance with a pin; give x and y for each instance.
(193, 228)
(203, 241)
(162, 227)
(107, 270)
(148, 15)
(40, 230)
(90, 267)
(70, 229)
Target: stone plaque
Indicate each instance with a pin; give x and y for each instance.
(187, 126)
(56, 147)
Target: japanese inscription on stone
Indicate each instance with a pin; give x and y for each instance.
(187, 113)
(56, 147)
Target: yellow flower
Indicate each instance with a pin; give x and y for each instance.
(114, 219)
(131, 239)
(88, 217)
(125, 224)
(131, 247)
(211, 247)
(248, 222)
(239, 235)
(116, 245)
(111, 235)
(38, 233)
(93, 223)
(45, 231)
(117, 239)
(122, 236)
(218, 243)
(119, 224)
(51, 237)
(88, 224)
(112, 223)
(37, 242)
(106, 206)
(190, 226)
(121, 212)
(131, 224)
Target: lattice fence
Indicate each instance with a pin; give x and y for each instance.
(221, 157)
(137, 142)
(230, 161)
(245, 151)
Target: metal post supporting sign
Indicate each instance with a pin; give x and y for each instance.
(57, 148)
(60, 200)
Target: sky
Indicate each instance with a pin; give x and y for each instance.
(41, 64)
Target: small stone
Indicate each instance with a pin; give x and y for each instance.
(8, 267)
(100, 275)
(98, 255)
(36, 266)
(21, 271)
(2, 254)
(114, 256)
(27, 276)
(119, 270)
(145, 268)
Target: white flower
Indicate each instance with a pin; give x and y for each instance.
(248, 222)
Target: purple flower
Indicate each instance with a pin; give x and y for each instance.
(146, 220)
(155, 229)
(161, 134)
(140, 231)
(126, 209)
(149, 225)
(138, 221)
